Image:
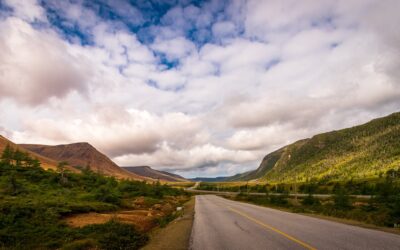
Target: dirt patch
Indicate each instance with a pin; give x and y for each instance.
(140, 218)
(81, 220)
(144, 213)
(176, 235)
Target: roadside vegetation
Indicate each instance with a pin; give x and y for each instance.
(382, 209)
(180, 184)
(34, 202)
(370, 186)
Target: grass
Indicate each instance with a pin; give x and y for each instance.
(34, 201)
(176, 235)
(368, 186)
(311, 213)
(379, 211)
(180, 184)
(383, 209)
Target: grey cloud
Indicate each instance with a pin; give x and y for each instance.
(305, 112)
(138, 144)
(36, 67)
(119, 132)
(383, 20)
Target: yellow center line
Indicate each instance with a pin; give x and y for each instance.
(273, 229)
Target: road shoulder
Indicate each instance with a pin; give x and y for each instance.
(176, 235)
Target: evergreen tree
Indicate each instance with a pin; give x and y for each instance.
(61, 169)
(341, 199)
(35, 163)
(7, 155)
(13, 185)
(19, 157)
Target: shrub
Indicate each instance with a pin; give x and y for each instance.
(279, 199)
(310, 200)
(163, 221)
(81, 245)
(108, 195)
(341, 199)
(115, 235)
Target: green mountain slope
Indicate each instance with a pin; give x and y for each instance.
(358, 152)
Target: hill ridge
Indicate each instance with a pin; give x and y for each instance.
(155, 174)
(360, 151)
(82, 154)
(46, 163)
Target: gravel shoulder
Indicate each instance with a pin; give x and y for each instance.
(176, 235)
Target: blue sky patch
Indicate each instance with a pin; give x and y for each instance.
(140, 17)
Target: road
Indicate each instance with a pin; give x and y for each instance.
(193, 187)
(224, 224)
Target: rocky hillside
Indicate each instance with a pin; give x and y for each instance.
(359, 152)
(82, 155)
(46, 162)
(155, 174)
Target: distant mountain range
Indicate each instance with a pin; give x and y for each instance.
(155, 174)
(358, 152)
(210, 179)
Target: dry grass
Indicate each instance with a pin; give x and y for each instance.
(142, 215)
(144, 220)
(176, 236)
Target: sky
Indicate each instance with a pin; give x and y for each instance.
(199, 88)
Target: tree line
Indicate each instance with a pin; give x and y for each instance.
(18, 158)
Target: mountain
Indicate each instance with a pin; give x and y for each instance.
(46, 162)
(358, 152)
(211, 179)
(155, 174)
(82, 154)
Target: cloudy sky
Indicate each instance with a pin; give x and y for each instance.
(202, 88)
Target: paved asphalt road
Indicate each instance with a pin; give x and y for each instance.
(224, 224)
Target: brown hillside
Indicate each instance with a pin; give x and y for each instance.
(83, 154)
(45, 162)
(155, 174)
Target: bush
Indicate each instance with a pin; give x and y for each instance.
(341, 200)
(81, 245)
(115, 235)
(163, 221)
(280, 200)
(310, 200)
(108, 195)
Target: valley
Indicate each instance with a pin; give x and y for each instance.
(351, 175)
